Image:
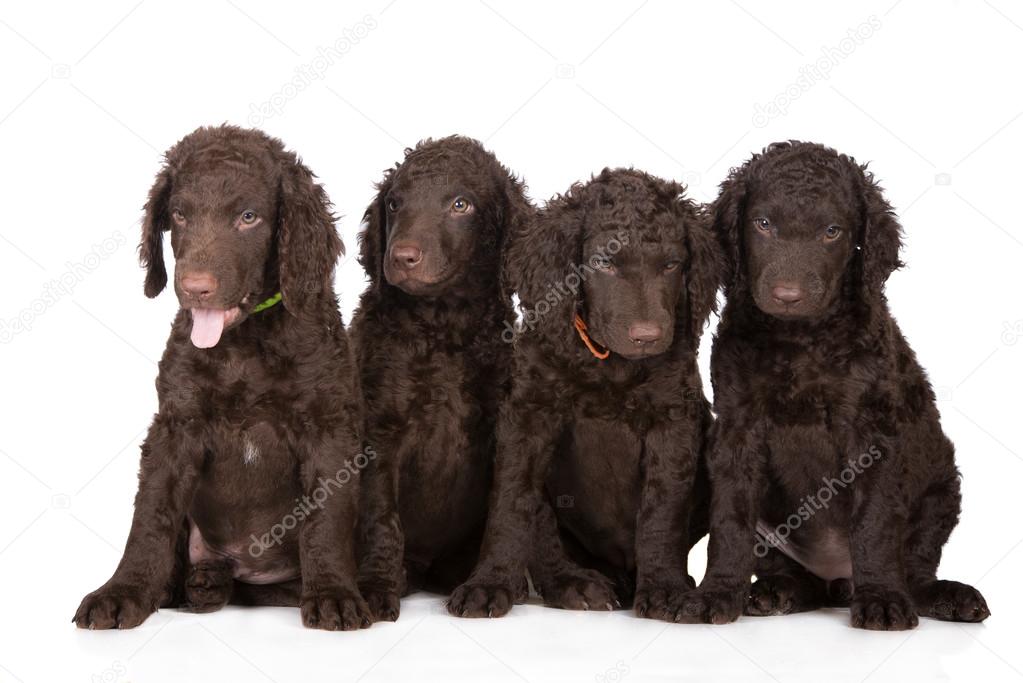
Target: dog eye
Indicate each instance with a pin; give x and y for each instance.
(672, 266)
(762, 224)
(178, 217)
(460, 205)
(247, 219)
(832, 232)
(602, 263)
(392, 205)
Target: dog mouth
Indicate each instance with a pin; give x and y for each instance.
(208, 324)
(420, 286)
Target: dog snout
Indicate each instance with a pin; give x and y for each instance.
(406, 256)
(645, 332)
(199, 285)
(787, 293)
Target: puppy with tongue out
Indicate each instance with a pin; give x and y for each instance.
(259, 410)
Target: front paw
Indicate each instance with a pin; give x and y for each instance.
(876, 608)
(772, 595)
(115, 606)
(950, 601)
(337, 609)
(582, 590)
(484, 598)
(383, 600)
(209, 586)
(711, 605)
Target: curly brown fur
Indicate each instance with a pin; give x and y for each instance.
(434, 367)
(265, 414)
(816, 390)
(598, 476)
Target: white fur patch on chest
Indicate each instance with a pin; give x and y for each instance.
(250, 452)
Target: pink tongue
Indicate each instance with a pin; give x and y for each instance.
(207, 326)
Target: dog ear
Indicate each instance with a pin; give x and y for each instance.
(543, 264)
(154, 223)
(726, 214)
(513, 216)
(308, 245)
(373, 238)
(880, 237)
(705, 268)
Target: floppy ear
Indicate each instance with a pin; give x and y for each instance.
(880, 237)
(154, 223)
(543, 265)
(372, 239)
(514, 216)
(703, 271)
(307, 242)
(726, 224)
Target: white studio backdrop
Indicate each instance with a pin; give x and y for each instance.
(92, 94)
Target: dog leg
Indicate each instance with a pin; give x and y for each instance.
(382, 540)
(671, 455)
(935, 517)
(525, 446)
(560, 581)
(145, 579)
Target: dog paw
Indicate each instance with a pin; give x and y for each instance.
(710, 606)
(659, 601)
(587, 590)
(384, 605)
(771, 595)
(476, 598)
(337, 609)
(876, 608)
(951, 601)
(115, 606)
(208, 586)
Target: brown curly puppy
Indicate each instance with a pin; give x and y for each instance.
(247, 490)
(598, 474)
(434, 368)
(828, 442)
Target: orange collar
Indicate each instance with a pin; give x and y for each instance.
(580, 327)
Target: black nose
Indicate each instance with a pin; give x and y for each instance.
(644, 332)
(406, 256)
(199, 285)
(787, 293)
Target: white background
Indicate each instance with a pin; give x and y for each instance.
(92, 95)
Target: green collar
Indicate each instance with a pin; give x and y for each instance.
(272, 301)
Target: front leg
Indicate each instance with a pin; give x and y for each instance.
(526, 434)
(142, 582)
(669, 464)
(881, 599)
(736, 465)
(560, 581)
(330, 471)
(381, 576)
